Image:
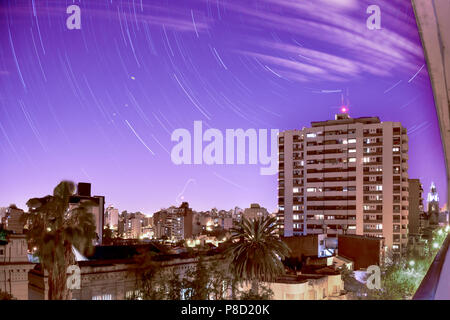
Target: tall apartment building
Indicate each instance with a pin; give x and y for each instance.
(174, 223)
(345, 176)
(112, 217)
(415, 207)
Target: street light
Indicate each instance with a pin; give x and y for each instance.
(412, 263)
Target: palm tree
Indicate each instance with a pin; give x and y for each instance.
(256, 251)
(53, 229)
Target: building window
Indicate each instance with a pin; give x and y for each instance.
(351, 140)
(311, 135)
(351, 159)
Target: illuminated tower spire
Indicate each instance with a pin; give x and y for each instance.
(433, 195)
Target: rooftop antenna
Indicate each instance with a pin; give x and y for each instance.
(344, 106)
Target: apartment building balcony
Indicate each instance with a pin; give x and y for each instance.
(380, 153)
(372, 182)
(373, 163)
(373, 211)
(377, 231)
(333, 212)
(373, 221)
(330, 221)
(372, 135)
(339, 193)
(368, 192)
(330, 165)
(332, 202)
(372, 201)
(372, 144)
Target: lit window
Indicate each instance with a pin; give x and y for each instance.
(310, 189)
(351, 227)
(351, 150)
(366, 159)
(379, 188)
(296, 217)
(351, 159)
(351, 140)
(295, 190)
(311, 135)
(396, 149)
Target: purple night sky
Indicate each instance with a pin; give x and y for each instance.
(99, 104)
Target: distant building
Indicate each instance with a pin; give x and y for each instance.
(14, 265)
(433, 206)
(12, 219)
(415, 207)
(97, 209)
(174, 223)
(112, 217)
(133, 222)
(255, 211)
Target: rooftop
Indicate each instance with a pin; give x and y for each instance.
(344, 118)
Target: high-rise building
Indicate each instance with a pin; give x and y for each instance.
(12, 219)
(112, 217)
(345, 176)
(415, 207)
(174, 223)
(96, 207)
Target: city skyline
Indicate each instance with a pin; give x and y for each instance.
(135, 72)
